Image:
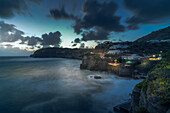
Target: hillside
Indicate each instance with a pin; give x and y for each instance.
(60, 53)
(153, 94)
(162, 34)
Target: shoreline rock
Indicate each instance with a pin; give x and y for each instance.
(95, 63)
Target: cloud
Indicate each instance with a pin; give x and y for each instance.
(32, 41)
(101, 18)
(52, 39)
(77, 40)
(70, 6)
(82, 45)
(100, 34)
(9, 33)
(99, 15)
(78, 26)
(8, 8)
(60, 14)
(147, 12)
(13, 51)
(74, 45)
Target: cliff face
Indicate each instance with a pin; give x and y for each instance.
(92, 62)
(153, 94)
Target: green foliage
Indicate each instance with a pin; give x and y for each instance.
(145, 48)
(160, 88)
(168, 67)
(145, 66)
(159, 85)
(141, 110)
(143, 85)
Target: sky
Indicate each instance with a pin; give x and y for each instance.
(28, 25)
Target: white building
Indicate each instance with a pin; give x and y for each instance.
(131, 56)
(115, 51)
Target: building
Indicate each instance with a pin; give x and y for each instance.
(131, 56)
(115, 51)
(155, 59)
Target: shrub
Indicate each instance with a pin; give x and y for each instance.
(141, 110)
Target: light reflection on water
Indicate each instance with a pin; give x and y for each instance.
(29, 85)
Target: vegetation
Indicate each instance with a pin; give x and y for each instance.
(162, 34)
(160, 81)
(143, 85)
(111, 55)
(147, 48)
(157, 84)
(141, 110)
(146, 66)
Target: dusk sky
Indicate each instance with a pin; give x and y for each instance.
(27, 25)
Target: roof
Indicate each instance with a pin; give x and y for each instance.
(129, 62)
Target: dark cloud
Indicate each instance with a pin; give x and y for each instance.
(77, 40)
(70, 6)
(52, 38)
(82, 45)
(8, 8)
(101, 18)
(74, 45)
(78, 26)
(32, 41)
(132, 26)
(9, 33)
(61, 14)
(100, 34)
(101, 15)
(147, 12)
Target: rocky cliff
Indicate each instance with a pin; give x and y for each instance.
(153, 94)
(93, 62)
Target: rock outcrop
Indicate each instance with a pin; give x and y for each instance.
(95, 63)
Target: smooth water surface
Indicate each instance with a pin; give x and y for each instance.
(29, 85)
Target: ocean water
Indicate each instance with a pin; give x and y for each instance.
(56, 85)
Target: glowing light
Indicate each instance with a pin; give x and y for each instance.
(114, 64)
(154, 59)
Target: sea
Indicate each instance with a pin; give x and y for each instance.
(58, 85)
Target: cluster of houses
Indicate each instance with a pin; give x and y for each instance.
(155, 57)
(122, 51)
(119, 55)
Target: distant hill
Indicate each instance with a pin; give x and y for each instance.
(162, 34)
(60, 53)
